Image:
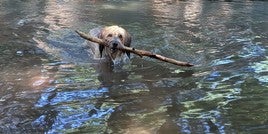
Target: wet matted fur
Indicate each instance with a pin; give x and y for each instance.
(116, 37)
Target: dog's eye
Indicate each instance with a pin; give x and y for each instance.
(120, 36)
(109, 35)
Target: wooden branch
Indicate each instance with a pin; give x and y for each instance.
(141, 53)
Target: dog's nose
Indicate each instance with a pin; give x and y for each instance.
(115, 44)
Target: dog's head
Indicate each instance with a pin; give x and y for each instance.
(116, 37)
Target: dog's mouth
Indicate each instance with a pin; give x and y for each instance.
(114, 50)
(114, 46)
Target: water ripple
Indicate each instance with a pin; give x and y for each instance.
(70, 96)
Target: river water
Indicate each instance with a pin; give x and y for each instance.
(49, 85)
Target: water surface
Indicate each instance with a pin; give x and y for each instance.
(49, 84)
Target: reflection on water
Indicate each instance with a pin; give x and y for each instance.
(49, 84)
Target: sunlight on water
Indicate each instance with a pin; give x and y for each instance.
(50, 84)
(74, 115)
(261, 68)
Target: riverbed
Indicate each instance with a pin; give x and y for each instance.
(49, 84)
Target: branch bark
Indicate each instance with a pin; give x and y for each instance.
(141, 53)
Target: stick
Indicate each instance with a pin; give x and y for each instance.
(141, 53)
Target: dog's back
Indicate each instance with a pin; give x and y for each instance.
(94, 47)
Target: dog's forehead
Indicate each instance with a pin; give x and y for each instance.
(115, 30)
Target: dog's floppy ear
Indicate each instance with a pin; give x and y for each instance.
(101, 47)
(127, 42)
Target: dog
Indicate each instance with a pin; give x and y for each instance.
(116, 37)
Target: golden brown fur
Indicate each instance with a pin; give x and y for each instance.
(116, 37)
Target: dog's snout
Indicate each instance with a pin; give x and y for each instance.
(115, 44)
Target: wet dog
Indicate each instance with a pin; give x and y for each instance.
(116, 37)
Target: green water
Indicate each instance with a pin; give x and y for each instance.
(49, 84)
